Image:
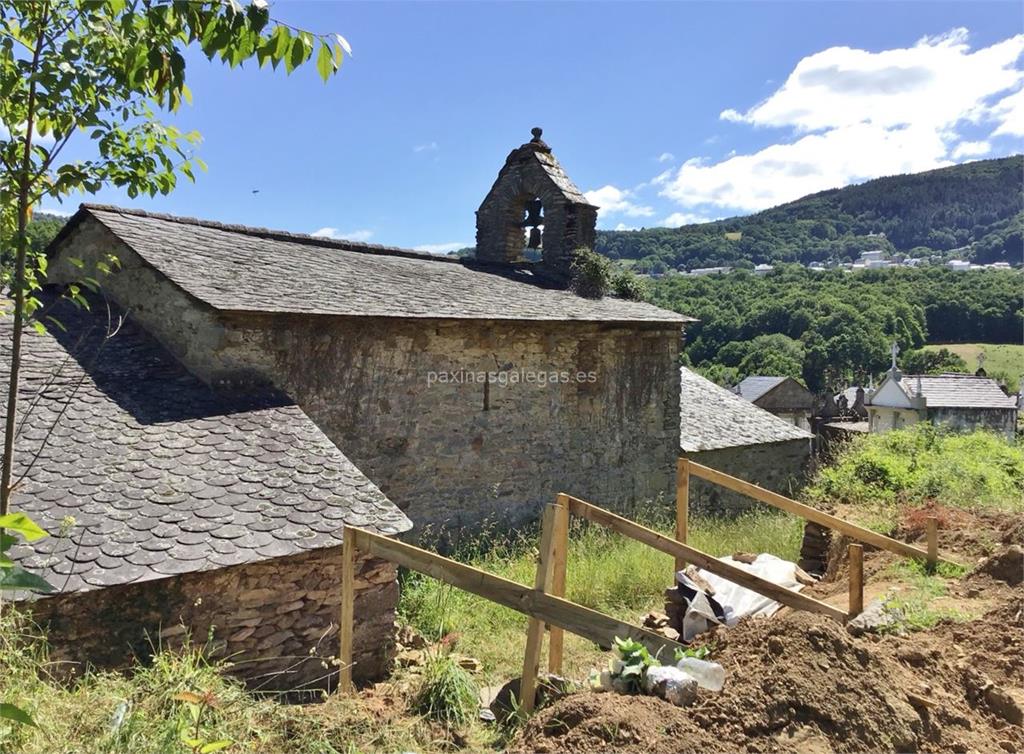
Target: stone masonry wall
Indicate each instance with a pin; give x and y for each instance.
(276, 621)
(403, 399)
(777, 466)
(1003, 421)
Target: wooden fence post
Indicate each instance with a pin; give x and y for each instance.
(682, 507)
(348, 567)
(933, 542)
(535, 628)
(559, 563)
(856, 563)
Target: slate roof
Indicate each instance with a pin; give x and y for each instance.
(161, 474)
(957, 391)
(753, 387)
(559, 177)
(238, 268)
(711, 417)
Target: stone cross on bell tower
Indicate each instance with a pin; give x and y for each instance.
(533, 193)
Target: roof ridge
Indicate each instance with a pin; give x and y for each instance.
(277, 235)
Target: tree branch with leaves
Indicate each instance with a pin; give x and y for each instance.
(103, 72)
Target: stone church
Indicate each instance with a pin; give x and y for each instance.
(437, 391)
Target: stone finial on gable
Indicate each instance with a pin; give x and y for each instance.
(534, 204)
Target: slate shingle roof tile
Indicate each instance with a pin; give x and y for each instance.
(957, 391)
(161, 474)
(712, 417)
(238, 268)
(753, 387)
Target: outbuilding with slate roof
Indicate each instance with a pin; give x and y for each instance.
(720, 429)
(782, 396)
(174, 508)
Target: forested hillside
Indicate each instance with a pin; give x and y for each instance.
(978, 205)
(835, 328)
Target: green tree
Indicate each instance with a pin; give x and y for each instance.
(924, 361)
(103, 71)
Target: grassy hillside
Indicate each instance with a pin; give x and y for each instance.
(1002, 360)
(976, 208)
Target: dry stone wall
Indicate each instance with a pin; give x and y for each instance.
(275, 621)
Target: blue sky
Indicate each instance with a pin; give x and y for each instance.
(664, 113)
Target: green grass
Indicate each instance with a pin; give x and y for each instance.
(605, 571)
(881, 473)
(1005, 360)
(919, 596)
(137, 711)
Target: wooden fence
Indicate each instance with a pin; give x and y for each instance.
(688, 468)
(538, 602)
(545, 602)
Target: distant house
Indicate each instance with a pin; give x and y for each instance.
(718, 428)
(960, 401)
(763, 269)
(782, 396)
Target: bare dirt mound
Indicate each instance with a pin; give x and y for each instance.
(801, 683)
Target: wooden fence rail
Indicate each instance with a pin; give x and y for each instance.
(533, 602)
(710, 563)
(859, 533)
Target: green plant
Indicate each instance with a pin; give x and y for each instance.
(702, 652)
(14, 577)
(447, 693)
(190, 724)
(626, 284)
(590, 273)
(879, 473)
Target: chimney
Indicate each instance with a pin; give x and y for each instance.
(533, 204)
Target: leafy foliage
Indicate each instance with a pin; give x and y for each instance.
(591, 274)
(834, 328)
(880, 472)
(976, 208)
(925, 361)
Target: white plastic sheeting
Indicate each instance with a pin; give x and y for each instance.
(734, 601)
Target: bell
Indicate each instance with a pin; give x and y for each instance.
(534, 239)
(533, 217)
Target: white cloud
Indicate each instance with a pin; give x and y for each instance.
(612, 200)
(430, 146)
(354, 235)
(1009, 111)
(683, 218)
(442, 248)
(53, 211)
(853, 115)
(623, 226)
(937, 82)
(666, 157)
(783, 172)
(971, 149)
